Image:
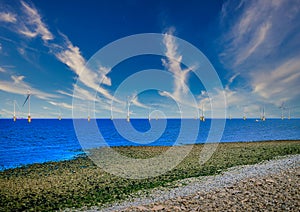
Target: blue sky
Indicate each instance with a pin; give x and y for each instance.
(254, 47)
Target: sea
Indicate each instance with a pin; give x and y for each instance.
(44, 140)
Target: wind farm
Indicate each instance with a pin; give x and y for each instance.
(285, 112)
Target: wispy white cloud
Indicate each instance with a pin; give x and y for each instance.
(233, 77)
(17, 85)
(279, 84)
(61, 104)
(65, 93)
(254, 43)
(2, 70)
(33, 25)
(260, 46)
(173, 64)
(181, 101)
(7, 17)
(248, 31)
(83, 94)
(28, 22)
(71, 56)
(134, 100)
(21, 51)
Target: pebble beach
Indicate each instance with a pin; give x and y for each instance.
(271, 185)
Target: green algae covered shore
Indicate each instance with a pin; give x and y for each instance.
(77, 183)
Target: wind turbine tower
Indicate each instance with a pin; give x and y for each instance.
(15, 117)
(128, 117)
(263, 117)
(89, 117)
(244, 113)
(202, 117)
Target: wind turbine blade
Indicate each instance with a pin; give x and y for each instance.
(26, 99)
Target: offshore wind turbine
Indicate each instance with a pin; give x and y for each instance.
(202, 117)
(59, 115)
(263, 116)
(28, 99)
(290, 109)
(289, 112)
(111, 112)
(14, 116)
(89, 117)
(244, 116)
(156, 112)
(149, 117)
(128, 117)
(230, 117)
(244, 113)
(282, 110)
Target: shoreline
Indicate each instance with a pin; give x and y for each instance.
(84, 154)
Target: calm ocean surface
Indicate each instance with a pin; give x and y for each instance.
(52, 140)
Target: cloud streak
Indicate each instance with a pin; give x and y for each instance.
(277, 83)
(61, 104)
(2, 70)
(27, 23)
(17, 85)
(33, 25)
(71, 56)
(173, 64)
(134, 100)
(7, 17)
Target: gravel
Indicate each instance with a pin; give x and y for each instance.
(234, 189)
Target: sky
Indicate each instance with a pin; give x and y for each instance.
(45, 46)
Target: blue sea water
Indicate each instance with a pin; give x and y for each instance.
(45, 140)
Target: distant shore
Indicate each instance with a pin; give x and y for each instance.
(78, 182)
